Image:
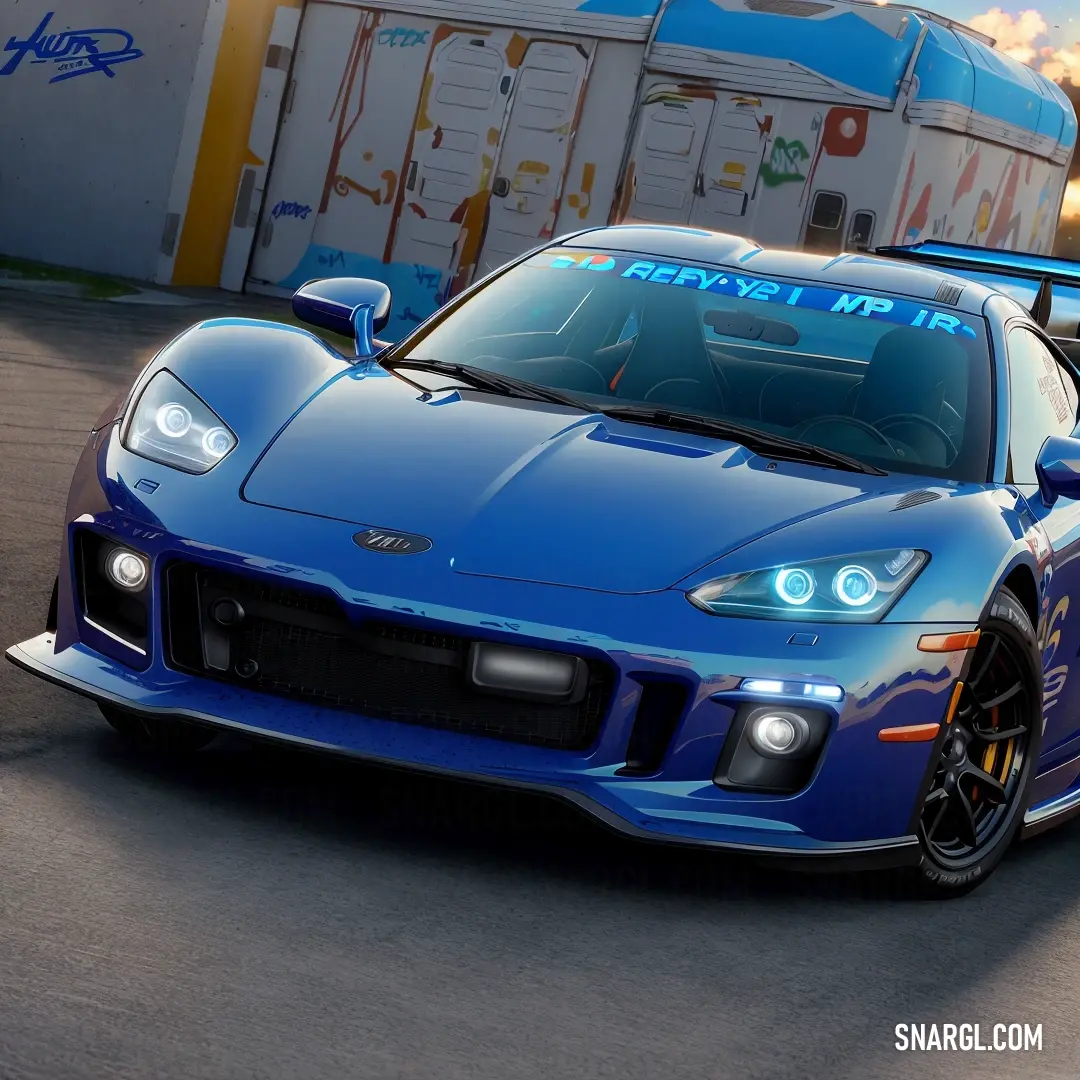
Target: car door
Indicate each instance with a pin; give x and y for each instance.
(1043, 402)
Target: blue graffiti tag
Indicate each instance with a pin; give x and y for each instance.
(335, 258)
(428, 279)
(74, 52)
(402, 37)
(291, 209)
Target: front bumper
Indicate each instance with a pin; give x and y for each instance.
(652, 810)
(858, 806)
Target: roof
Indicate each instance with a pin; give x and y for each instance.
(627, 20)
(990, 94)
(871, 273)
(852, 51)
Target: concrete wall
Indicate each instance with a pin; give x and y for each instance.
(87, 155)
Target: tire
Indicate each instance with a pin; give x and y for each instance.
(1007, 670)
(160, 734)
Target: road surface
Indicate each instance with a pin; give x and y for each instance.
(266, 914)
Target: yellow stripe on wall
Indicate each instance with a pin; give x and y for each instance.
(223, 148)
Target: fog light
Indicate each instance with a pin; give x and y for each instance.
(527, 673)
(779, 734)
(127, 569)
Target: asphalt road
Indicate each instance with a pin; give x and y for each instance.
(263, 913)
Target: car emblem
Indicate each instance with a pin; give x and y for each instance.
(392, 543)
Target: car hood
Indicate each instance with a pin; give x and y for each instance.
(524, 490)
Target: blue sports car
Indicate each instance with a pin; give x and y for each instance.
(759, 550)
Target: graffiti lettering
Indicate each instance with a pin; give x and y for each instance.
(334, 258)
(402, 37)
(73, 52)
(291, 209)
(425, 278)
(783, 166)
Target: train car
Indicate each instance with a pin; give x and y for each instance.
(427, 142)
(825, 126)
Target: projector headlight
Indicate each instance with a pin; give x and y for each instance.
(173, 426)
(854, 588)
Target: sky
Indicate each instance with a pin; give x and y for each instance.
(1047, 37)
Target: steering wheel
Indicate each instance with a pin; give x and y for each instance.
(919, 421)
(819, 421)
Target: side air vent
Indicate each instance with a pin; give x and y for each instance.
(948, 293)
(658, 714)
(798, 8)
(916, 498)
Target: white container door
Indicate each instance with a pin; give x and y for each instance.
(264, 127)
(535, 151)
(729, 173)
(667, 157)
(449, 177)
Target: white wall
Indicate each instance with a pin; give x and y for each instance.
(86, 163)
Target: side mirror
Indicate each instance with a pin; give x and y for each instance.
(1058, 469)
(352, 307)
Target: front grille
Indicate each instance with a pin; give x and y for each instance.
(301, 645)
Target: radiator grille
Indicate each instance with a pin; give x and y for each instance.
(301, 645)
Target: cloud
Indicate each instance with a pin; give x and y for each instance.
(1062, 64)
(1018, 36)
(1015, 35)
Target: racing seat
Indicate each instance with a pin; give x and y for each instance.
(911, 374)
(669, 363)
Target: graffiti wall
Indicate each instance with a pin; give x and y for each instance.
(426, 153)
(93, 95)
(970, 192)
(749, 164)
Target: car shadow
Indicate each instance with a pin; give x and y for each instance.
(517, 832)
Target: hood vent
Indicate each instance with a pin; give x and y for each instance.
(916, 498)
(948, 293)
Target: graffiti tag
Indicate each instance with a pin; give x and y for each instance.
(426, 279)
(784, 164)
(402, 37)
(73, 52)
(335, 258)
(291, 209)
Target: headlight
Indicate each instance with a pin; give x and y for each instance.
(855, 588)
(172, 426)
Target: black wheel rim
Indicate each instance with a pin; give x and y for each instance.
(978, 775)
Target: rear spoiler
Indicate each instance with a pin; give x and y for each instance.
(1044, 269)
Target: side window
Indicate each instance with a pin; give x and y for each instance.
(862, 230)
(1043, 402)
(828, 212)
(825, 225)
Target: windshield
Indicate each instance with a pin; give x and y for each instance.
(899, 384)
